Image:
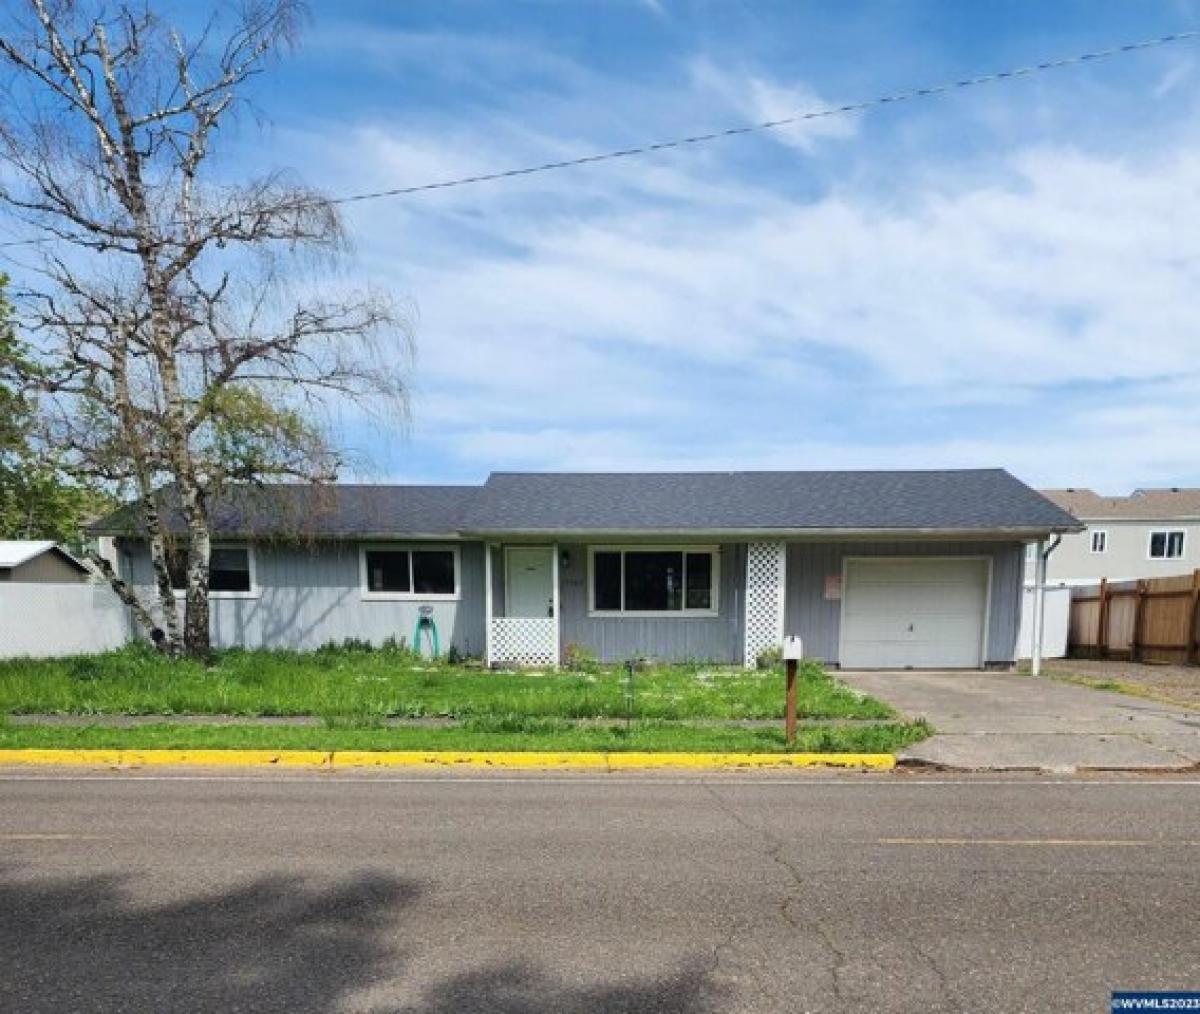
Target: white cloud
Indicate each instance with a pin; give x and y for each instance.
(665, 312)
(759, 100)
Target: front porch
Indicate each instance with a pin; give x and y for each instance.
(522, 609)
(719, 603)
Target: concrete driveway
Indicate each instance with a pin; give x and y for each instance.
(1008, 721)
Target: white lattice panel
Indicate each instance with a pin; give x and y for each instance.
(524, 641)
(766, 569)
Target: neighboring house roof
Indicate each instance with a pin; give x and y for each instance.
(979, 500)
(326, 511)
(960, 500)
(15, 552)
(1167, 504)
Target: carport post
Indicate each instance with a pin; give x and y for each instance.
(1039, 609)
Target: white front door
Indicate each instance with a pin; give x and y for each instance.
(529, 588)
(912, 613)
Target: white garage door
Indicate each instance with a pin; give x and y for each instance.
(923, 614)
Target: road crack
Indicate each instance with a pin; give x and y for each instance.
(940, 975)
(773, 850)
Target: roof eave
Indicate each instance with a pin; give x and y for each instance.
(294, 536)
(1003, 532)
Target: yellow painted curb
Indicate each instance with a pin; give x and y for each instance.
(879, 761)
(226, 758)
(195, 758)
(466, 758)
(446, 758)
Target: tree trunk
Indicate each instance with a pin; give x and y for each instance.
(123, 590)
(197, 639)
(196, 635)
(162, 584)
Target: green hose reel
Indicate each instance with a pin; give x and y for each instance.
(426, 625)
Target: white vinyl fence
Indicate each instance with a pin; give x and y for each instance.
(40, 620)
(1058, 622)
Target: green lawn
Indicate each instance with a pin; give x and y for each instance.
(536, 734)
(362, 685)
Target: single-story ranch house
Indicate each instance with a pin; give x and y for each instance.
(878, 569)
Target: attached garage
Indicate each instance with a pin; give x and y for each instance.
(920, 613)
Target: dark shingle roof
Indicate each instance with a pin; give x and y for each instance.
(980, 499)
(550, 502)
(333, 511)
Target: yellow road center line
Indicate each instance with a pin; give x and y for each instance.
(46, 836)
(1100, 842)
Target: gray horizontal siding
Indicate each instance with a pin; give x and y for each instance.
(310, 595)
(672, 639)
(818, 621)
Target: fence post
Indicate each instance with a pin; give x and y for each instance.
(1139, 611)
(1193, 639)
(1102, 629)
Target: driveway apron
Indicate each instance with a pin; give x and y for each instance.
(1011, 721)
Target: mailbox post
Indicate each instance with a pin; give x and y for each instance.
(793, 651)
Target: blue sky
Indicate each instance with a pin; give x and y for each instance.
(1004, 276)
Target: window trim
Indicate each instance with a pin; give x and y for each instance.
(364, 584)
(1168, 532)
(682, 613)
(251, 559)
(1093, 532)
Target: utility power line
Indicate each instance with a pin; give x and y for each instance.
(815, 114)
(716, 135)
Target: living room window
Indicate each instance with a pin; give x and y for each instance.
(654, 580)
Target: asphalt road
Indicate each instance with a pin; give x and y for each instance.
(586, 894)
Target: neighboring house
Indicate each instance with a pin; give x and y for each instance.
(29, 562)
(1150, 533)
(871, 569)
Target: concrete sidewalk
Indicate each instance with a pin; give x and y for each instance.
(1007, 721)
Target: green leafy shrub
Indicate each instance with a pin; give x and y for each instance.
(769, 658)
(577, 658)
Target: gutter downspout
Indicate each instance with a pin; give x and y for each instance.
(1039, 603)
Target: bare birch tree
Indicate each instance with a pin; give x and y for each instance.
(174, 350)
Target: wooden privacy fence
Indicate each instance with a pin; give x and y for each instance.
(1153, 620)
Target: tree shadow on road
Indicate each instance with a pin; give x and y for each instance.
(273, 944)
(522, 989)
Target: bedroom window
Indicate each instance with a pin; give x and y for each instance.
(654, 580)
(1099, 541)
(1166, 545)
(230, 570)
(427, 573)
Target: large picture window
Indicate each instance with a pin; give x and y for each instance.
(230, 570)
(425, 573)
(654, 580)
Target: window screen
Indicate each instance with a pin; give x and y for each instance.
(606, 577)
(653, 581)
(387, 570)
(699, 581)
(229, 569)
(433, 571)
